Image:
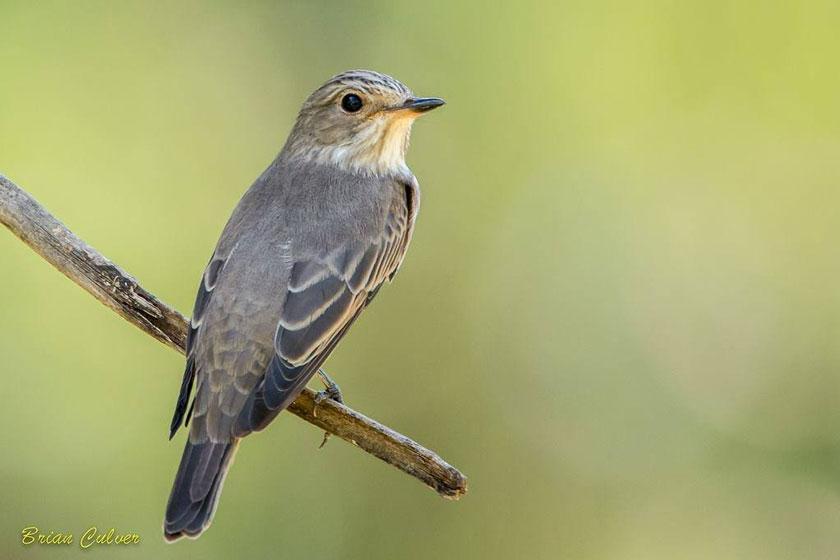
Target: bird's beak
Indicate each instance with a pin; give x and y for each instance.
(420, 104)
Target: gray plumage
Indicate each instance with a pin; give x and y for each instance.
(304, 252)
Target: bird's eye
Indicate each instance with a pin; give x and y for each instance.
(351, 103)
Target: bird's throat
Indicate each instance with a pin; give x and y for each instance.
(376, 149)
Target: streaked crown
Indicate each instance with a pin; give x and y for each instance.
(368, 82)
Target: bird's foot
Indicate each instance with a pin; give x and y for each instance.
(332, 392)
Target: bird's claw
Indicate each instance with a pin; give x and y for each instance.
(331, 391)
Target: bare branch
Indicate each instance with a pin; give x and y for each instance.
(113, 287)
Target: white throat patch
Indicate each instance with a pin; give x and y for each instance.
(378, 149)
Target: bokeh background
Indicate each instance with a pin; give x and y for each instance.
(620, 315)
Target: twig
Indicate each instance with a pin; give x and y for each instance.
(113, 287)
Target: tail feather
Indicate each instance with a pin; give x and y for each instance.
(198, 485)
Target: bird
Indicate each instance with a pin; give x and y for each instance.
(304, 252)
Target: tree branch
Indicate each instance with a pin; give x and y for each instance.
(113, 287)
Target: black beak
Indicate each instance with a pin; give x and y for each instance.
(422, 104)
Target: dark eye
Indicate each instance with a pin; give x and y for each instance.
(351, 103)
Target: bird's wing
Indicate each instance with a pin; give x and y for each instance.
(208, 282)
(326, 292)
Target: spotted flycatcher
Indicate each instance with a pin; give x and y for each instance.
(305, 251)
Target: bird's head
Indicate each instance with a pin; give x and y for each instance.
(360, 121)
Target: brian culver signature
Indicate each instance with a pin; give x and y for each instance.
(91, 537)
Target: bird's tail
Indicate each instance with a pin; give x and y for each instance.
(198, 484)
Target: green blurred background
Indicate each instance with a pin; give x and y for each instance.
(619, 316)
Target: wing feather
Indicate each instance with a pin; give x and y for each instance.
(205, 289)
(243, 385)
(325, 295)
